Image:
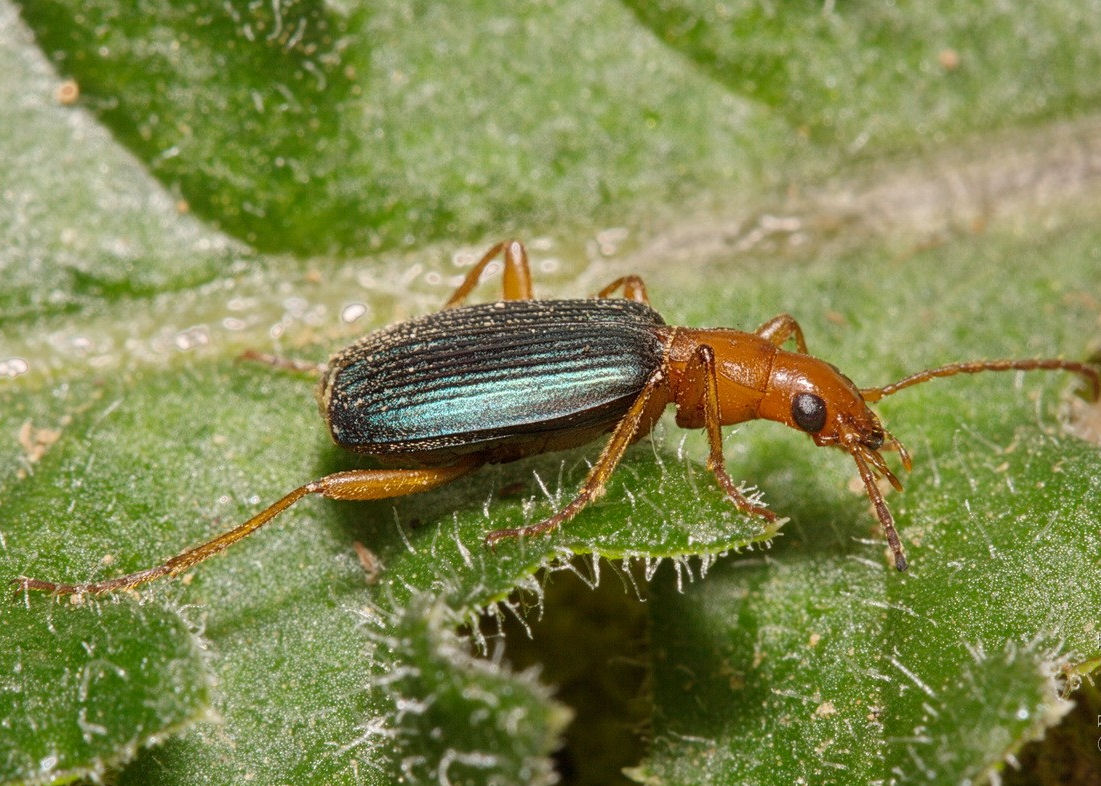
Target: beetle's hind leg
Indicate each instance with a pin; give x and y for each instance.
(516, 283)
(283, 363)
(702, 368)
(593, 487)
(359, 484)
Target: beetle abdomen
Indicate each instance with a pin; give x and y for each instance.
(461, 378)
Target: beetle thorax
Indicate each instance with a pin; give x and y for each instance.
(742, 366)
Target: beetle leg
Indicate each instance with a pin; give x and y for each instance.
(283, 363)
(517, 275)
(702, 366)
(360, 484)
(593, 487)
(881, 509)
(780, 328)
(632, 286)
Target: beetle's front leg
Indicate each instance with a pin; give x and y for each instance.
(780, 328)
(705, 391)
(516, 282)
(593, 487)
(359, 484)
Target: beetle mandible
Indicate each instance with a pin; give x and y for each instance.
(441, 395)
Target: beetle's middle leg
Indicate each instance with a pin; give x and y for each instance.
(702, 368)
(593, 487)
(517, 275)
(359, 484)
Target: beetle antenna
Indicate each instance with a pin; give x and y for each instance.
(1088, 373)
(881, 510)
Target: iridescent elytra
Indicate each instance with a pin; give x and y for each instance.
(437, 397)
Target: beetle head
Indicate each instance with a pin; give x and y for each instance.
(813, 396)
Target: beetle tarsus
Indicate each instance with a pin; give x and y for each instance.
(23, 583)
(283, 363)
(129, 581)
(740, 500)
(544, 527)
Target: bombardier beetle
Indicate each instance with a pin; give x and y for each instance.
(437, 397)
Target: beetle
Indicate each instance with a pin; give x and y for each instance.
(434, 398)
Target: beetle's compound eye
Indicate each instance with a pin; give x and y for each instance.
(809, 412)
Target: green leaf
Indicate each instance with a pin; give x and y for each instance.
(81, 691)
(85, 224)
(308, 129)
(388, 124)
(820, 665)
(889, 75)
(510, 721)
